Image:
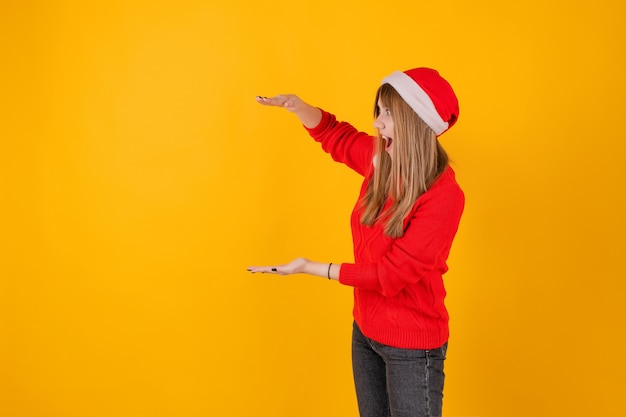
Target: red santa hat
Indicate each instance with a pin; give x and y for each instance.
(429, 95)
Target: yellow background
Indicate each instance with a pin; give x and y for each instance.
(140, 178)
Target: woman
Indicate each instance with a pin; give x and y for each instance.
(403, 225)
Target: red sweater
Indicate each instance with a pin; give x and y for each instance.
(398, 286)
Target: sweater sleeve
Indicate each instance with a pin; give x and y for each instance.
(344, 143)
(422, 250)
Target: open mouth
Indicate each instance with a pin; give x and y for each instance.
(388, 142)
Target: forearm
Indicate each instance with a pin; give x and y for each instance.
(309, 116)
(325, 270)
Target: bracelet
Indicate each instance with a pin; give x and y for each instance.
(329, 265)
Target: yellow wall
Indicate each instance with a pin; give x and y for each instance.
(140, 178)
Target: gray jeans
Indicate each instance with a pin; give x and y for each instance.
(393, 382)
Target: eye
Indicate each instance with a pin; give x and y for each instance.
(388, 112)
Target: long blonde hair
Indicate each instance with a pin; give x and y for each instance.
(417, 161)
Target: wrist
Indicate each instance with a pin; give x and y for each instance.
(334, 271)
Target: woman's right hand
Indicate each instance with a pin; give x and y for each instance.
(309, 116)
(290, 102)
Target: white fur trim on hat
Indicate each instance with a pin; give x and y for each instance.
(417, 99)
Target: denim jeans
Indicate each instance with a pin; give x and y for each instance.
(393, 382)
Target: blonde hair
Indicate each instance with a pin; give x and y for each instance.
(417, 160)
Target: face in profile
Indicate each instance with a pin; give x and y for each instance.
(384, 125)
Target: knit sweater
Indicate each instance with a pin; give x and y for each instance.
(398, 283)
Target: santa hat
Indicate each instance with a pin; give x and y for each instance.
(429, 95)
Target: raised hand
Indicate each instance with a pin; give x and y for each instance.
(290, 102)
(310, 116)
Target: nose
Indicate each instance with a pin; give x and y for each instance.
(378, 124)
